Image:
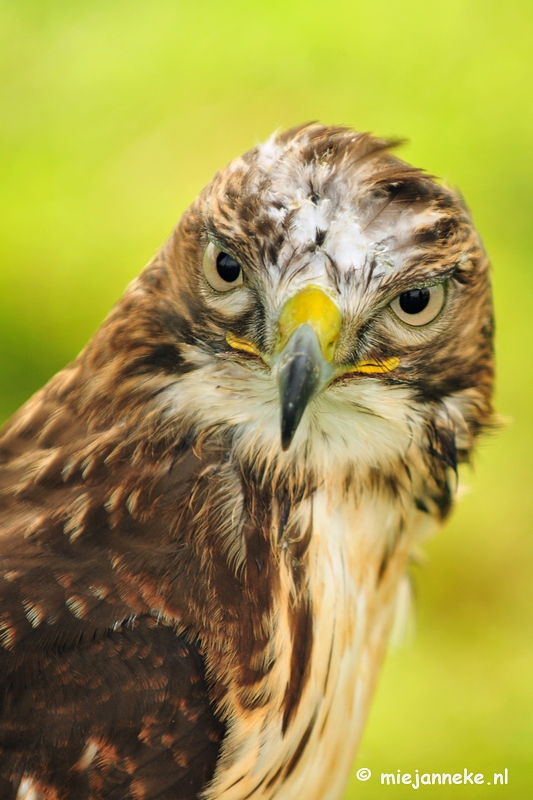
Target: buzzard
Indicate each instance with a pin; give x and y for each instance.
(205, 519)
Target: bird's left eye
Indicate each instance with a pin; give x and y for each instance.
(222, 272)
(419, 306)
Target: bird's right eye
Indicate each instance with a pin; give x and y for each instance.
(221, 270)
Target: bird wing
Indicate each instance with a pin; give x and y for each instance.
(126, 715)
(103, 690)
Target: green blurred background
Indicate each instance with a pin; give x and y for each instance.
(114, 114)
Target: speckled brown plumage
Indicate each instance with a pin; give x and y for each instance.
(182, 601)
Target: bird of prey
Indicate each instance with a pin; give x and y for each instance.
(206, 517)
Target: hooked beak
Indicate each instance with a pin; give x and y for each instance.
(303, 373)
(308, 330)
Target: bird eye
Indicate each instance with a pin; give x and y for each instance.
(221, 270)
(419, 306)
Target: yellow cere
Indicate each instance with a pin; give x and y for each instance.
(311, 306)
(241, 344)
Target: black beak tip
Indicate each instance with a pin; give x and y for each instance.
(290, 419)
(286, 439)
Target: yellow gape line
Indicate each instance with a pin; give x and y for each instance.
(241, 344)
(311, 306)
(374, 367)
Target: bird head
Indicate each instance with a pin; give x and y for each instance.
(329, 298)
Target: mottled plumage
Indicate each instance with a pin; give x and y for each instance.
(193, 604)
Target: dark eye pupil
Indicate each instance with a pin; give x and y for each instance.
(414, 301)
(227, 268)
